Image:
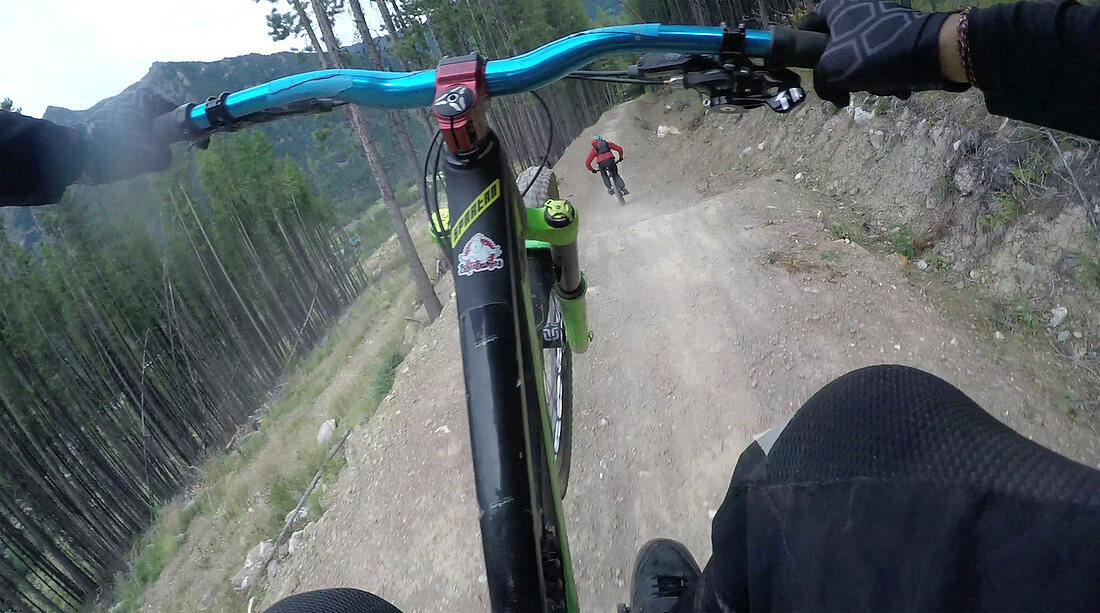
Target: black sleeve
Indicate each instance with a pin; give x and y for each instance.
(38, 160)
(1039, 63)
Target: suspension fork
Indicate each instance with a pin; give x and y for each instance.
(557, 224)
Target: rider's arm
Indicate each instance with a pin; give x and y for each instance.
(38, 160)
(1038, 62)
(617, 148)
(588, 160)
(1035, 62)
(114, 140)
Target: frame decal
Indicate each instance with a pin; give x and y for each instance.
(480, 204)
(479, 255)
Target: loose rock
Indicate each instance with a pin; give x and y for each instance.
(294, 543)
(878, 139)
(324, 435)
(1057, 316)
(966, 179)
(303, 513)
(248, 574)
(922, 265)
(663, 131)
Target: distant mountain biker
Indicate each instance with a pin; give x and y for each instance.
(601, 152)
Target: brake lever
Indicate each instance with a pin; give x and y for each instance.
(733, 82)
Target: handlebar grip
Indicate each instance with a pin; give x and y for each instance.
(175, 125)
(795, 48)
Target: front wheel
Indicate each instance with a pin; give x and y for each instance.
(619, 196)
(557, 366)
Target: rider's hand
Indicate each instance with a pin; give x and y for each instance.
(877, 47)
(592, 170)
(119, 142)
(621, 159)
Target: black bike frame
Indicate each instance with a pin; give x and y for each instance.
(496, 331)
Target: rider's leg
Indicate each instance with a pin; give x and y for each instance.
(615, 175)
(604, 170)
(890, 489)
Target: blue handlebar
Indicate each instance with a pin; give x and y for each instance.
(515, 75)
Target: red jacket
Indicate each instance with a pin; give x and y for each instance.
(601, 157)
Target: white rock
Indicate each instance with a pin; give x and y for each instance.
(878, 139)
(922, 265)
(252, 560)
(861, 116)
(745, 151)
(762, 144)
(328, 428)
(1063, 336)
(798, 177)
(303, 513)
(999, 335)
(966, 179)
(663, 131)
(294, 543)
(1057, 316)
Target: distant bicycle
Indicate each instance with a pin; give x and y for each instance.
(603, 153)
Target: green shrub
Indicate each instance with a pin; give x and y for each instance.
(1004, 209)
(902, 241)
(387, 371)
(1016, 316)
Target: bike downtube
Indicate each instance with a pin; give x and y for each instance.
(503, 371)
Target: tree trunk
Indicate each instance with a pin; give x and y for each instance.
(308, 27)
(374, 160)
(396, 117)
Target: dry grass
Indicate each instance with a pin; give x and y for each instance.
(195, 546)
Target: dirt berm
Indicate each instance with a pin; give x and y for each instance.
(720, 302)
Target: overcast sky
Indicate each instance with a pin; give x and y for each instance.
(73, 53)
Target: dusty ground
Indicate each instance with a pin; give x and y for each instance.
(715, 317)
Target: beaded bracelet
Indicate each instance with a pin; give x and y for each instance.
(962, 41)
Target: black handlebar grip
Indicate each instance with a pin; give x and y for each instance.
(795, 48)
(175, 125)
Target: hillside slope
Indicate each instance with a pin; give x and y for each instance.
(717, 311)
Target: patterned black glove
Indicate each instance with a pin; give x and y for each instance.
(118, 138)
(877, 47)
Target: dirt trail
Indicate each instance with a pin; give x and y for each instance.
(714, 319)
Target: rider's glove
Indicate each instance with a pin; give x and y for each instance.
(877, 47)
(592, 170)
(118, 139)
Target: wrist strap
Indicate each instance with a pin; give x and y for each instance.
(962, 41)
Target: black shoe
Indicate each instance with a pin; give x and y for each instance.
(663, 570)
(625, 191)
(611, 191)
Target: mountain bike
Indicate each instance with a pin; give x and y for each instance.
(517, 472)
